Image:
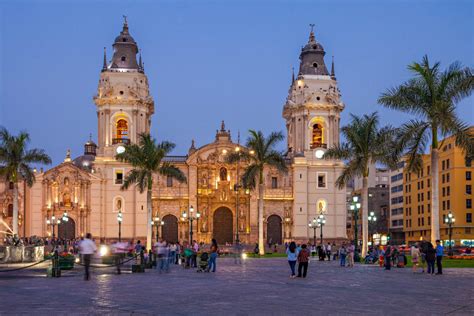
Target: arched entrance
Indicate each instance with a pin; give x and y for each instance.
(169, 230)
(223, 225)
(274, 230)
(67, 230)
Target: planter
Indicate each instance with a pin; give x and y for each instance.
(66, 263)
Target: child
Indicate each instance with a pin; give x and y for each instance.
(303, 258)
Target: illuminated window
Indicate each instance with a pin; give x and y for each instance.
(122, 129)
(317, 136)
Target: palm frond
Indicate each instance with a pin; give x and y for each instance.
(249, 178)
(167, 169)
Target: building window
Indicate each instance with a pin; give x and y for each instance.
(468, 203)
(468, 161)
(428, 195)
(429, 208)
(321, 180)
(467, 230)
(468, 217)
(468, 189)
(118, 176)
(447, 164)
(428, 170)
(444, 191)
(317, 136)
(419, 222)
(10, 210)
(123, 58)
(274, 182)
(422, 221)
(448, 204)
(448, 191)
(11, 185)
(468, 175)
(447, 177)
(169, 181)
(443, 164)
(444, 205)
(428, 183)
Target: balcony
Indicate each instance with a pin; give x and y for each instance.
(120, 141)
(318, 145)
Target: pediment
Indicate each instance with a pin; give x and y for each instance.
(66, 169)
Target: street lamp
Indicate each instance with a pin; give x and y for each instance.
(313, 224)
(191, 217)
(372, 219)
(157, 222)
(355, 207)
(449, 220)
(53, 222)
(237, 191)
(119, 220)
(65, 220)
(321, 222)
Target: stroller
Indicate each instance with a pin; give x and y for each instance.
(203, 262)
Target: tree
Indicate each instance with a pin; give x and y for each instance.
(260, 152)
(431, 96)
(365, 144)
(15, 160)
(146, 158)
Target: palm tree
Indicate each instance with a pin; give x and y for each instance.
(365, 144)
(432, 96)
(146, 158)
(261, 152)
(15, 160)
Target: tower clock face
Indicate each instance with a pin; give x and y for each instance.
(120, 149)
(319, 153)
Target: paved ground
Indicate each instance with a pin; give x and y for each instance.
(258, 286)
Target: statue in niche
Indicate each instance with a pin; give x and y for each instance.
(119, 204)
(242, 225)
(223, 174)
(321, 207)
(66, 198)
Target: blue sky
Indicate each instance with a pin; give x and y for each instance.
(213, 60)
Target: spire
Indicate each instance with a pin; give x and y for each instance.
(192, 149)
(292, 74)
(140, 63)
(104, 67)
(238, 137)
(125, 24)
(311, 34)
(222, 126)
(333, 74)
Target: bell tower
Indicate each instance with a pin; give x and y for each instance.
(123, 101)
(313, 106)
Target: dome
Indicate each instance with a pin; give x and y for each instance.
(125, 52)
(85, 162)
(312, 58)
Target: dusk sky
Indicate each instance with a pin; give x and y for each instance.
(209, 61)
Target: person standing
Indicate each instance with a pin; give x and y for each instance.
(430, 258)
(87, 248)
(173, 249)
(214, 252)
(415, 256)
(388, 257)
(303, 258)
(328, 251)
(195, 248)
(350, 255)
(342, 255)
(439, 256)
(292, 255)
(161, 255)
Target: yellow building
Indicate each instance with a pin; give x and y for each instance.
(455, 195)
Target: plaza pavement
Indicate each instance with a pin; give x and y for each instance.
(257, 287)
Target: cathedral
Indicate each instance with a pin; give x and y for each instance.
(88, 187)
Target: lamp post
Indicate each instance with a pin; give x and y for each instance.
(53, 222)
(355, 207)
(372, 219)
(313, 224)
(321, 222)
(119, 220)
(237, 191)
(191, 218)
(65, 219)
(156, 221)
(449, 220)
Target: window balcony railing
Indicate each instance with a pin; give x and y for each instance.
(120, 141)
(318, 145)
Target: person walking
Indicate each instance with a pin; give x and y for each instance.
(195, 248)
(87, 248)
(415, 256)
(439, 256)
(303, 258)
(172, 257)
(430, 258)
(292, 256)
(214, 253)
(162, 255)
(342, 255)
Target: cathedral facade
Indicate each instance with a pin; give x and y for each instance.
(88, 188)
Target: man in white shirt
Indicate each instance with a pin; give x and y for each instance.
(161, 250)
(87, 248)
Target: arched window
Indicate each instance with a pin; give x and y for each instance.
(122, 129)
(317, 136)
(223, 174)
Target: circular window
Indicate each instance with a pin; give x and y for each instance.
(123, 58)
(315, 65)
(318, 98)
(121, 92)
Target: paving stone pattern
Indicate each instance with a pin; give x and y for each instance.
(257, 287)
